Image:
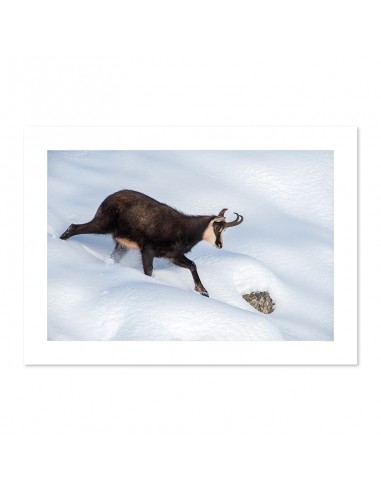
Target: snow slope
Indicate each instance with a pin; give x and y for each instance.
(284, 245)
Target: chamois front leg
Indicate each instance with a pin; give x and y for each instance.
(185, 262)
(147, 258)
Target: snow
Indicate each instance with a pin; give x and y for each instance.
(284, 246)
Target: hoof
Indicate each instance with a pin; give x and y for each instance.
(68, 232)
(205, 294)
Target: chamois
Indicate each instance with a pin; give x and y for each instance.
(137, 221)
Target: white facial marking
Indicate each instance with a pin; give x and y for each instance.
(209, 235)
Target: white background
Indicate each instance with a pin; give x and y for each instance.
(343, 142)
(189, 428)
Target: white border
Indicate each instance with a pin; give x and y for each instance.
(38, 140)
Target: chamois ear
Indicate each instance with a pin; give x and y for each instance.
(222, 213)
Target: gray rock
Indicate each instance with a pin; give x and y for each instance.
(261, 301)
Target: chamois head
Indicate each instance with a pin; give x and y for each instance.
(217, 226)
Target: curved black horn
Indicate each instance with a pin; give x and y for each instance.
(222, 213)
(235, 222)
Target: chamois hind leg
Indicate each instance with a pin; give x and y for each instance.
(119, 252)
(185, 262)
(92, 227)
(102, 223)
